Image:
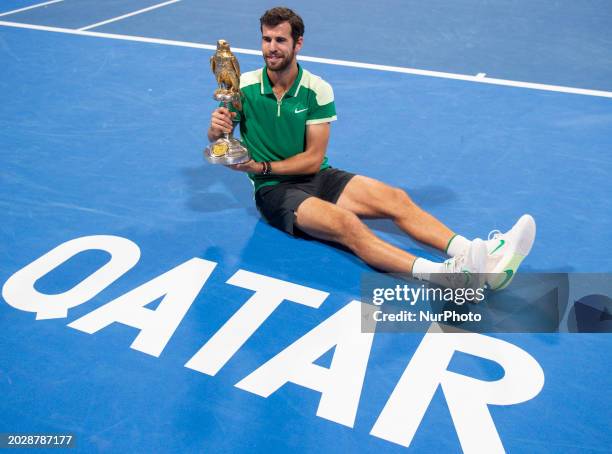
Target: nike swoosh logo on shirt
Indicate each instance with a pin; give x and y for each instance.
(300, 111)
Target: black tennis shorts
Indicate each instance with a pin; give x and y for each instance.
(279, 203)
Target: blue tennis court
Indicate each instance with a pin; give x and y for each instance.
(148, 308)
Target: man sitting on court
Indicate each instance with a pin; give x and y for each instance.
(285, 124)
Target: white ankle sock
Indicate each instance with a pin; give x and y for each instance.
(423, 268)
(457, 245)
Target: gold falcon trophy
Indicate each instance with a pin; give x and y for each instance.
(227, 149)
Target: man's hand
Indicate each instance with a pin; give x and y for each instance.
(220, 123)
(249, 166)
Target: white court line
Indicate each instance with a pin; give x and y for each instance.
(30, 7)
(125, 16)
(397, 69)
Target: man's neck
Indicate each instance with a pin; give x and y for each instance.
(283, 80)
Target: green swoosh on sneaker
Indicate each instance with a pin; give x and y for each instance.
(501, 243)
(509, 274)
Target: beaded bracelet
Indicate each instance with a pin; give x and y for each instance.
(267, 168)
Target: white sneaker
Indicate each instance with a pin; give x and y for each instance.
(507, 250)
(467, 269)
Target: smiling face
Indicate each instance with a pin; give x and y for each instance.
(279, 49)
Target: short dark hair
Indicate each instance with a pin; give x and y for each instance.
(280, 14)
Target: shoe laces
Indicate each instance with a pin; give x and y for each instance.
(454, 276)
(494, 234)
(454, 264)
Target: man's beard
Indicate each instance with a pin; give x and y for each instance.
(281, 64)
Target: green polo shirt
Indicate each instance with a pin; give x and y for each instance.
(274, 130)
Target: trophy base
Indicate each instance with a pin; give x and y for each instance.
(227, 152)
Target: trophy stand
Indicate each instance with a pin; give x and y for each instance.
(226, 150)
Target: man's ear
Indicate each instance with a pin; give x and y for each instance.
(298, 43)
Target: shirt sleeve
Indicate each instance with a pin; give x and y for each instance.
(322, 108)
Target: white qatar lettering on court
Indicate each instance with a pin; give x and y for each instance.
(179, 288)
(467, 397)
(269, 294)
(19, 291)
(340, 385)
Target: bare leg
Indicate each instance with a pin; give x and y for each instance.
(371, 198)
(326, 221)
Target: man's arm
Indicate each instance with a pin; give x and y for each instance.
(305, 163)
(308, 162)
